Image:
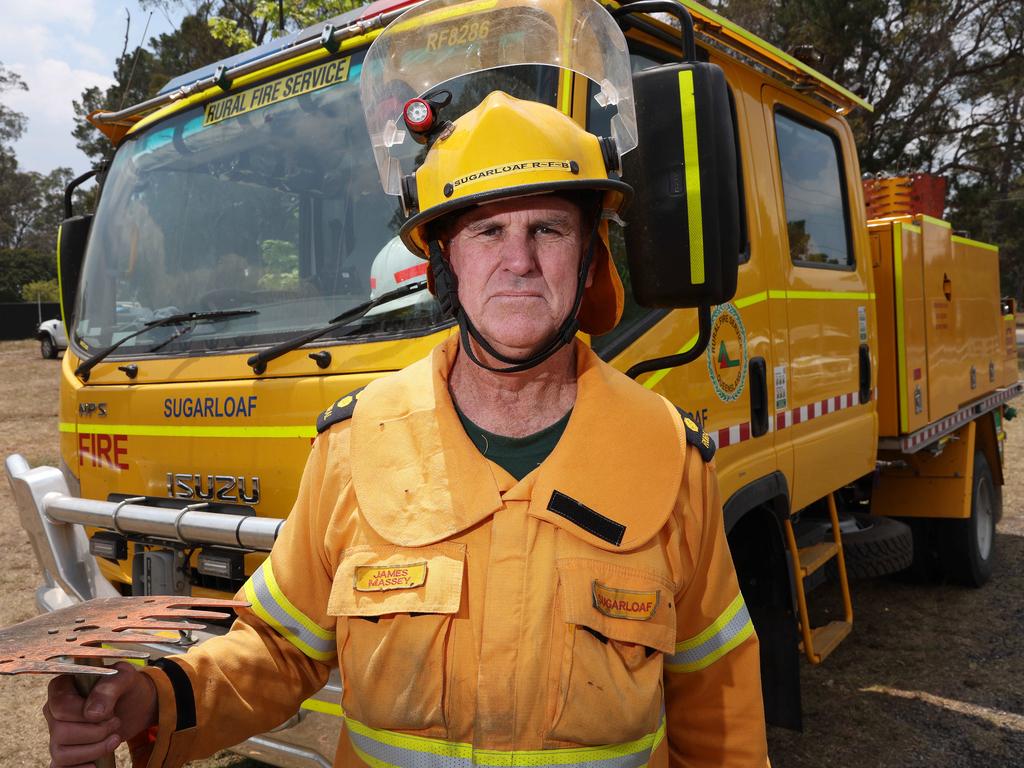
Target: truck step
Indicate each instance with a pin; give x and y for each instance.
(825, 639)
(819, 642)
(815, 556)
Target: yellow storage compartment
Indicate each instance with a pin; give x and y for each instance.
(944, 337)
(903, 402)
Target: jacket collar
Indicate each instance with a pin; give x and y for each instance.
(419, 479)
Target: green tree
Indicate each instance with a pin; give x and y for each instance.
(30, 202)
(946, 78)
(41, 290)
(247, 24)
(19, 267)
(141, 73)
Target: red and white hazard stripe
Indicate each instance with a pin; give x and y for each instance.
(916, 440)
(737, 433)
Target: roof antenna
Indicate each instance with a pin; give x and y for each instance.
(138, 50)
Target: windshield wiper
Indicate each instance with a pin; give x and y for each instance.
(82, 371)
(258, 362)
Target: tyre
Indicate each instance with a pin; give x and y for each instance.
(968, 546)
(47, 347)
(877, 546)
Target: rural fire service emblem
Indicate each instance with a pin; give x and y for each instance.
(727, 353)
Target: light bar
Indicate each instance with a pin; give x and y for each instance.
(109, 545)
(222, 563)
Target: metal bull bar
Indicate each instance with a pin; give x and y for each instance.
(53, 520)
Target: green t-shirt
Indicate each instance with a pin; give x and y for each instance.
(516, 455)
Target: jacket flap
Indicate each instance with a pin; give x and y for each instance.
(614, 478)
(621, 603)
(374, 580)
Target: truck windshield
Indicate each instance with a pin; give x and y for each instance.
(267, 198)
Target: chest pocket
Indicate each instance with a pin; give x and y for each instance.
(618, 623)
(395, 607)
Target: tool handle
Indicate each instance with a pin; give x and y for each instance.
(84, 684)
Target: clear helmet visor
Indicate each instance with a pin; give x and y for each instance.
(441, 41)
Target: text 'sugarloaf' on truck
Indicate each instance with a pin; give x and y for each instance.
(241, 274)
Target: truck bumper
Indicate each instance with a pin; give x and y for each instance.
(54, 519)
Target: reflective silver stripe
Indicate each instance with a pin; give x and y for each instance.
(725, 633)
(387, 749)
(271, 604)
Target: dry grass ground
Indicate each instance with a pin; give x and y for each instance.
(931, 676)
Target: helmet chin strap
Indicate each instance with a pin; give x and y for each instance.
(446, 287)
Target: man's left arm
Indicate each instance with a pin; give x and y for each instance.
(714, 710)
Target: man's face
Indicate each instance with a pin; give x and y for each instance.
(517, 262)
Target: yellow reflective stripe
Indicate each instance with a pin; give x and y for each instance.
(283, 601)
(566, 96)
(901, 342)
(936, 222)
(278, 611)
(375, 746)
(324, 707)
(60, 285)
(154, 430)
(749, 301)
(726, 632)
(691, 166)
(823, 295)
(967, 241)
(756, 298)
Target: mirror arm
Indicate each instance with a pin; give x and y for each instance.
(75, 184)
(663, 6)
(673, 361)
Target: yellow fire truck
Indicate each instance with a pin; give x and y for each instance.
(241, 273)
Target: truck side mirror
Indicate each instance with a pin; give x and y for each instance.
(71, 238)
(683, 235)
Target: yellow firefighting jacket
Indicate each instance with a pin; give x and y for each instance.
(587, 614)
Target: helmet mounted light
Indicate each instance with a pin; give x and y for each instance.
(418, 115)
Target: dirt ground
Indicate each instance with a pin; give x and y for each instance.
(930, 676)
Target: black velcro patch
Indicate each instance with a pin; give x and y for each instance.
(184, 696)
(586, 518)
(697, 437)
(339, 410)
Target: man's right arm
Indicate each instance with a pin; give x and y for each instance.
(278, 652)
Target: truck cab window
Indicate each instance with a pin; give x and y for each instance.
(814, 192)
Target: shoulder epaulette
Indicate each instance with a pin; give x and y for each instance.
(338, 411)
(697, 437)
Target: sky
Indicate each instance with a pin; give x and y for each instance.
(60, 48)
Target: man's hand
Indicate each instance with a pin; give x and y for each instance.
(85, 729)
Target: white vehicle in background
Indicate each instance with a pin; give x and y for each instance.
(52, 338)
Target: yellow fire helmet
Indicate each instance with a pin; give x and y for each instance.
(508, 147)
(479, 83)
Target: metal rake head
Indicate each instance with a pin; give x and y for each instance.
(81, 632)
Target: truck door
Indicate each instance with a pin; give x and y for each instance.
(827, 413)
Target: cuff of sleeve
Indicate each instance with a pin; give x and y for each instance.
(149, 748)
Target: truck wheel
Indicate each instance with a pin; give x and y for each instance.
(969, 546)
(47, 348)
(879, 546)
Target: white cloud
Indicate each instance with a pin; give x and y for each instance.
(60, 48)
(53, 84)
(77, 15)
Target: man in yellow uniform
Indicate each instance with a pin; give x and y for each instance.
(514, 553)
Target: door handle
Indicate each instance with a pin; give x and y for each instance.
(865, 373)
(758, 396)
